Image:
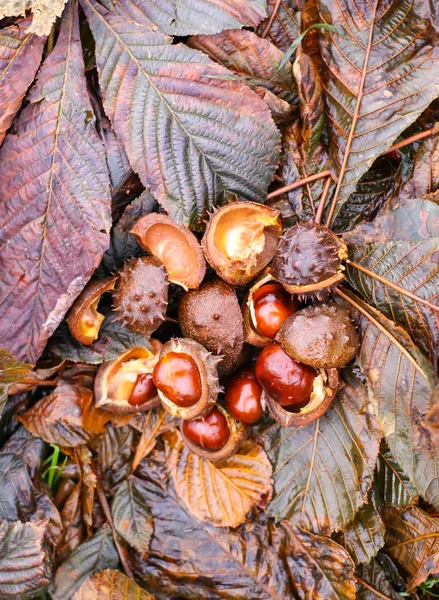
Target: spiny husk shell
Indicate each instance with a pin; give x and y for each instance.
(321, 335)
(207, 365)
(211, 316)
(176, 242)
(325, 389)
(141, 296)
(263, 226)
(309, 260)
(90, 295)
(237, 431)
(251, 336)
(108, 369)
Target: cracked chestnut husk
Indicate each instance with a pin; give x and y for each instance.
(309, 259)
(241, 239)
(177, 248)
(141, 295)
(124, 384)
(211, 316)
(227, 433)
(294, 393)
(186, 377)
(265, 308)
(84, 320)
(321, 335)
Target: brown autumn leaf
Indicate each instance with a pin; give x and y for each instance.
(380, 579)
(379, 77)
(220, 493)
(68, 416)
(115, 456)
(364, 536)
(191, 170)
(392, 484)
(285, 26)
(155, 422)
(20, 57)
(412, 540)
(110, 585)
(55, 214)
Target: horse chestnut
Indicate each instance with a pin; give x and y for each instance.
(272, 305)
(210, 433)
(144, 389)
(285, 380)
(177, 376)
(243, 396)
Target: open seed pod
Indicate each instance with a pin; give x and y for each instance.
(116, 380)
(141, 295)
(324, 391)
(176, 246)
(241, 239)
(236, 435)
(309, 260)
(207, 375)
(252, 310)
(321, 335)
(211, 316)
(84, 320)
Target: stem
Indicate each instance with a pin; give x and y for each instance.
(395, 287)
(414, 138)
(51, 40)
(272, 17)
(383, 330)
(298, 183)
(371, 588)
(322, 202)
(107, 512)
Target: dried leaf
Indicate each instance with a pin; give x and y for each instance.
(131, 515)
(11, 370)
(20, 57)
(252, 59)
(258, 560)
(67, 417)
(286, 24)
(55, 214)
(364, 537)
(156, 422)
(379, 579)
(412, 540)
(221, 493)
(114, 456)
(205, 137)
(186, 17)
(322, 471)
(393, 485)
(97, 554)
(379, 77)
(25, 563)
(110, 585)
(14, 8)
(412, 266)
(400, 382)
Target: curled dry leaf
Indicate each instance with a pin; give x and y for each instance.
(96, 554)
(412, 540)
(155, 422)
(25, 560)
(223, 138)
(322, 471)
(379, 77)
(131, 515)
(185, 17)
(258, 560)
(364, 536)
(110, 585)
(55, 214)
(220, 493)
(20, 57)
(396, 369)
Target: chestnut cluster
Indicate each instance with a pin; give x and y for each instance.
(281, 348)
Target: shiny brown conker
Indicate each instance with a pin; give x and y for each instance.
(272, 305)
(243, 396)
(285, 380)
(177, 376)
(210, 433)
(144, 390)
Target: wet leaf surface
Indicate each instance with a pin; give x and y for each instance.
(364, 537)
(111, 585)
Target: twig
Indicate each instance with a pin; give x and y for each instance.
(371, 588)
(299, 183)
(272, 17)
(323, 199)
(107, 512)
(414, 138)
